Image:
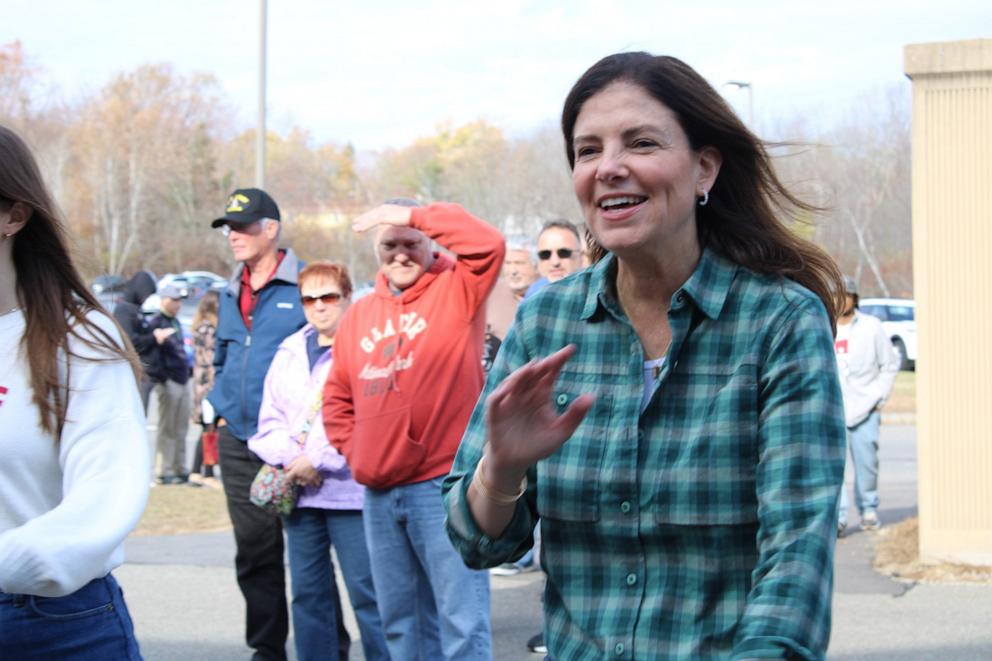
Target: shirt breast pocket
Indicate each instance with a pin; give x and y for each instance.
(707, 467)
(568, 482)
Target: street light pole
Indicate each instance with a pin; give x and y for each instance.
(260, 134)
(740, 84)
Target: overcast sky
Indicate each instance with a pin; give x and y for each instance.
(380, 74)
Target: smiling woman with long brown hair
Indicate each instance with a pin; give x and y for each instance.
(74, 475)
(672, 413)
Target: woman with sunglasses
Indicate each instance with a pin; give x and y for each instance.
(329, 509)
(672, 413)
(74, 475)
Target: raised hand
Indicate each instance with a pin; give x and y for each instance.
(384, 214)
(522, 424)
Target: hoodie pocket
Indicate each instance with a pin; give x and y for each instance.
(383, 452)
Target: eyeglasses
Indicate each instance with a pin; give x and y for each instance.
(563, 253)
(252, 228)
(327, 298)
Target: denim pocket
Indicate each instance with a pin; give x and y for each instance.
(92, 599)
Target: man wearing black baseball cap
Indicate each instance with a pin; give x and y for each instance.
(259, 308)
(246, 206)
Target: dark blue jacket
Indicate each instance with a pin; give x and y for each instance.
(169, 358)
(241, 359)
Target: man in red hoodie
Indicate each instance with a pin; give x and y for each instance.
(407, 372)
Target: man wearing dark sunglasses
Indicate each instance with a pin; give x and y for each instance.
(559, 252)
(258, 310)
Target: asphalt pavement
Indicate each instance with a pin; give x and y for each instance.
(186, 605)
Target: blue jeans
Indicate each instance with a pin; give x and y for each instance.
(862, 439)
(432, 605)
(91, 624)
(310, 532)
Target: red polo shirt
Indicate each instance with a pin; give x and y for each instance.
(248, 297)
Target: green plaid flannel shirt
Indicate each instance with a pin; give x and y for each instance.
(703, 527)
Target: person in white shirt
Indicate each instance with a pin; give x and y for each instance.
(74, 475)
(867, 366)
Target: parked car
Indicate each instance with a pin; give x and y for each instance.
(106, 282)
(109, 290)
(200, 282)
(898, 317)
(193, 284)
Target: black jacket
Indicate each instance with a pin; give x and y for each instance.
(128, 315)
(170, 356)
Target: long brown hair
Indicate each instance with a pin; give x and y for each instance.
(742, 220)
(50, 290)
(206, 309)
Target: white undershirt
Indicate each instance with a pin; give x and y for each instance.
(652, 375)
(66, 506)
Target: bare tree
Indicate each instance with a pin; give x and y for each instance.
(144, 147)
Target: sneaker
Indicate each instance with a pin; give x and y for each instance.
(172, 479)
(870, 522)
(841, 527)
(506, 569)
(536, 644)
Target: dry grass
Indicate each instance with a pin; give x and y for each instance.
(175, 510)
(903, 398)
(897, 555)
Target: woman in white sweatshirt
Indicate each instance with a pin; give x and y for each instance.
(74, 468)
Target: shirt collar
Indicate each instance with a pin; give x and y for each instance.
(707, 287)
(709, 284)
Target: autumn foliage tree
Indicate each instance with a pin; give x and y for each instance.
(146, 158)
(142, 165)
(516, 185)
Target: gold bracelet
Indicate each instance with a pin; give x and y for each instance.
(495, 495)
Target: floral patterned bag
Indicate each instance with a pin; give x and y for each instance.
(271, 489)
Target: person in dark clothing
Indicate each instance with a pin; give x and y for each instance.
(128, 315)
(169, 371)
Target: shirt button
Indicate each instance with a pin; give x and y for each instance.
(619, 649)
(631, 579)
(625, 507)
(562, 399)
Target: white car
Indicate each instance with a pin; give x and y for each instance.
(193, 284)
(898, 317)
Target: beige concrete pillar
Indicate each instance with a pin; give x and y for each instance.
(952, 270)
